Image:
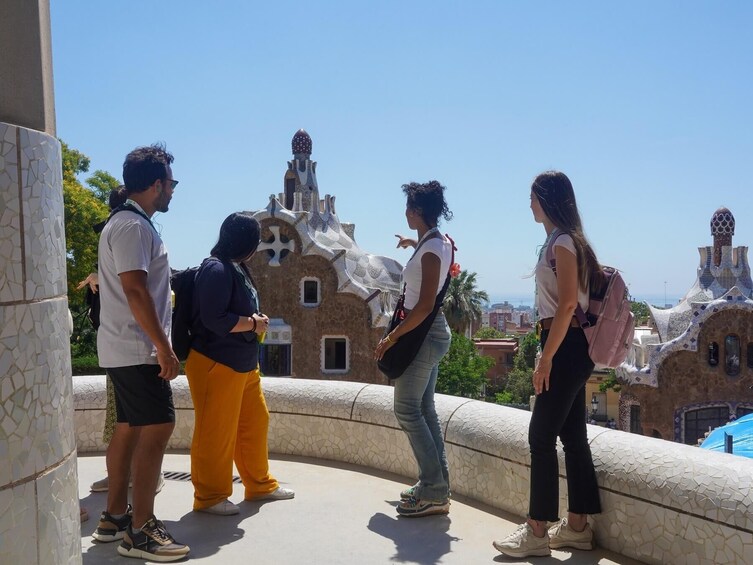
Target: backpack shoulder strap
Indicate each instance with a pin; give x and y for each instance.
(550, 249)
(126, 207)
(579, 313)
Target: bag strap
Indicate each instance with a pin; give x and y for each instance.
(579, 313)
(126, 207)
(453, 248)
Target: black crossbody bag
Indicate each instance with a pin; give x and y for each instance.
(397, 358)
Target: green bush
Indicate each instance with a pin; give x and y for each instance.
(86, 365)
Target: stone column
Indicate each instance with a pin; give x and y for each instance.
(39, 520)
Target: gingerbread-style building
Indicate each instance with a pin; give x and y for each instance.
(695, 370)
(328, 300)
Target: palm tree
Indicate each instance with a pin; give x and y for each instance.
(462, 303)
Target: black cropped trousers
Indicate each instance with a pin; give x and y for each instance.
(561, 411)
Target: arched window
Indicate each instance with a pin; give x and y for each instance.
(701, 420)
(750, 355)
(713, 354)
(732, 355)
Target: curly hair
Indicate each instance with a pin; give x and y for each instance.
(144, 166)
(427, 199)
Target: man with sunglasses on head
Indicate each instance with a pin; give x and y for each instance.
(133, 344)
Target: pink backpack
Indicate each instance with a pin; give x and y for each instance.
(608, 323)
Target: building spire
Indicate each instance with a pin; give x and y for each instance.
(722, 229)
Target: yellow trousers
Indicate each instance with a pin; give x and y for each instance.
(232, 422)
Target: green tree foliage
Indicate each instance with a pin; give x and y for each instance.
(463, 301)
(640, 311)
(519, 386)
(101, 183)
(610, 383)
(527, 350)
(488, 333)
(84, 206)
(74, 163)
(462, 372)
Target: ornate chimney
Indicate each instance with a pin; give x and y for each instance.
(722, 229)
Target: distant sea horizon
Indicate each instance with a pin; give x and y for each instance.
(518, 300)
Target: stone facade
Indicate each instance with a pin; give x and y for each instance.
(337, 314)
(503, 352)
(689, 383)
(328, 300)
(695, 370)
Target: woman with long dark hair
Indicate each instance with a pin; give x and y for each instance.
(559, 379)
(424, 276)
(231, 417)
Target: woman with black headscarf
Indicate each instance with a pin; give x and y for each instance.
(223, 373)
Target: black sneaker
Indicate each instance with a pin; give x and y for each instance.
(111, 529)
(153, 542)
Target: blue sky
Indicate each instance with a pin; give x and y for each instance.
(647, 106)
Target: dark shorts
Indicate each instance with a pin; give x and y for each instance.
(142, 398)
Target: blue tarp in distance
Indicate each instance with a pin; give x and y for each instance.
(741, 431)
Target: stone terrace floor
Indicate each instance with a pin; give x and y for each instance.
(342, 514)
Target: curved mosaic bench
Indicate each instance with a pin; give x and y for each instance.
(663, 502)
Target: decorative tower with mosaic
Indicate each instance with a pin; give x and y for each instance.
(328, 300)
(694, 371)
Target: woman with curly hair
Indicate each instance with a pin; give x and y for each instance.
(424, 277)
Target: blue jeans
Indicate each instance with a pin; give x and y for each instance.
(414, 408)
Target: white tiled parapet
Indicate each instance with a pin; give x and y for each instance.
(662, 502)
(38, 484)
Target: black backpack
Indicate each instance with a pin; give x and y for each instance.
(183, 331)
(91, 301)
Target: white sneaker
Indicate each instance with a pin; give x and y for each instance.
(278, 494)
(102, 485)
(222, 508)
(523, 543)
(562, 535)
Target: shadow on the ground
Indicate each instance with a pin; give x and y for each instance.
(417, 540)
(204, 533)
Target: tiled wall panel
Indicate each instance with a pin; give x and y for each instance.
(18, 524)
(58, 515)
(39, 520)
(11, 251)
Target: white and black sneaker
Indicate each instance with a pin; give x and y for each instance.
(112, 529)
(152, 543)
(415, 508)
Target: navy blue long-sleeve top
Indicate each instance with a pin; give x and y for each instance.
(220, 299)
